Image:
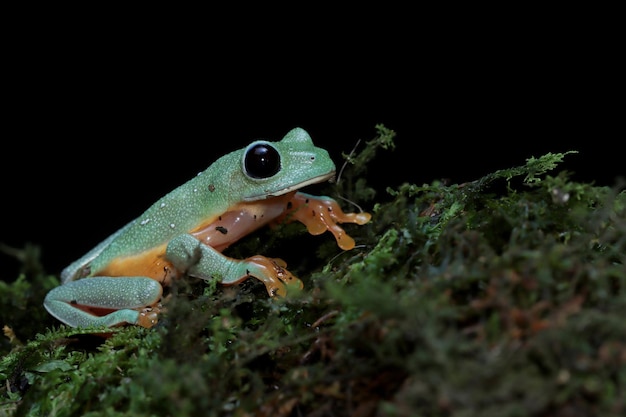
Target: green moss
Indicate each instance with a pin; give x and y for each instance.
(504, 296)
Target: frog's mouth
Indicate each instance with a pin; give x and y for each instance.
(268, 193)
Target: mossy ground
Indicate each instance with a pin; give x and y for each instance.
(505, 296)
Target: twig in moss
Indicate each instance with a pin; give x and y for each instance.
(348, 158)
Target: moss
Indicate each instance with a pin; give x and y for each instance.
(504, 296)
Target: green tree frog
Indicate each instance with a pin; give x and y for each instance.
(121, 280)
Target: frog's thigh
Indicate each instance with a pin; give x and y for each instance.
(120, 294)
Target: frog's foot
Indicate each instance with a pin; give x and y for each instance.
(106, 301)
(320, 214)
(149, 316)
(272, 272)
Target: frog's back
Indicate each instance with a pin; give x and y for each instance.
(145, 238)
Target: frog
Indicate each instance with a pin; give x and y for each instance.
(121, 281)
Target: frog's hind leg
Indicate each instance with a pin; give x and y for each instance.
(82, 303)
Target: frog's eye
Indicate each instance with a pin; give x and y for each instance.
(261, 160)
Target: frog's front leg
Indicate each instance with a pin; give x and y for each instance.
(320, 214)
(189, 255)
(105, 301)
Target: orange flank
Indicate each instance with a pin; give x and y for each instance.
(151, 264)
(221, 231)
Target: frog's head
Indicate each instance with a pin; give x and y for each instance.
(276, 168)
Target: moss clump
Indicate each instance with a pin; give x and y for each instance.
(504, 296)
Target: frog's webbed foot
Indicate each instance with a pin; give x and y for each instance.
(149, 316)
(320, 214)
(273, 273)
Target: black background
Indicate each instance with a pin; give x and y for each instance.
(95, 132)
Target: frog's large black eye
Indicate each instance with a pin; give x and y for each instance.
(261, 161)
